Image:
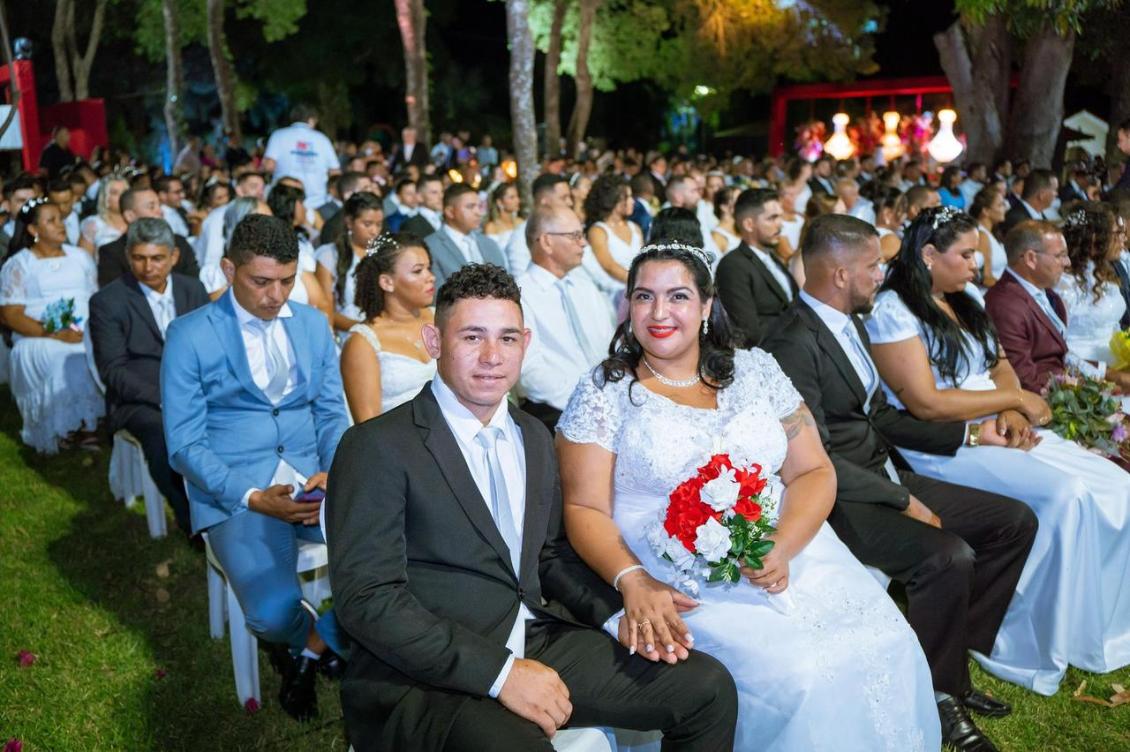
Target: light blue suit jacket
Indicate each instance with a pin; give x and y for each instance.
(448, 259)
(223, 434)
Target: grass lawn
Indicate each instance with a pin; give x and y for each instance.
(119, 627)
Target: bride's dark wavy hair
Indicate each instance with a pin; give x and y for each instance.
(716, 348)
(908, 276)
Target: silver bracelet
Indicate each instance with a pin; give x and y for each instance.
(621, 573)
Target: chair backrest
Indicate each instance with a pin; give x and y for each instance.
(88, 346)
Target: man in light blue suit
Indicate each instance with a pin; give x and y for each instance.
(253, 410)
(458, 241)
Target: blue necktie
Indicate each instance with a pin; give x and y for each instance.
(488, 438)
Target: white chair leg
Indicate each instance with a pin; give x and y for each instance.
(154, 506)
(244, 653)
(216, 603)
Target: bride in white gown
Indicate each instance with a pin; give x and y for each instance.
(822, 658)
(1070, 605)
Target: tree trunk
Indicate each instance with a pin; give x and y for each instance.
(82, 64)
(412, 20)
(173, 75)
(976, 62)
(553, 81)
(1119, 107)
(59, 49)
(1037, 109)
(582, 108)
(522, 95)
(221, 67)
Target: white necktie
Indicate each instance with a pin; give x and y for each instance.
(592, 357)
(472, 249)
(275, 361)
(166, 313)
(488, 438)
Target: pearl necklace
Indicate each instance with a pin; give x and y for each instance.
(680, 384)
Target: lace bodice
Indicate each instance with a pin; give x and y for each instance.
(1090, 324)
(36, 283)
(659, 443)
(402, 377)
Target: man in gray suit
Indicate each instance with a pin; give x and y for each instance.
(458, 241)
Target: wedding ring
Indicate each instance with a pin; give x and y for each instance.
(643, 623)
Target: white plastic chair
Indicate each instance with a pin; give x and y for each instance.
(129, 473)
(880, 577)
(224, 606)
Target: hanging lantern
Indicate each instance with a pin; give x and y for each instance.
(839, 145)
(892, 144)
(945, 147)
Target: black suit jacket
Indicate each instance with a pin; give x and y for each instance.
(818, 187)
(419, 158)
(112, 261)
(418, 226)
(751, 295)
(128, 344)
(1013, 217)
(422, 579)
(858, 441)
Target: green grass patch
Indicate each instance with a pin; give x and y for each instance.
(124, 660)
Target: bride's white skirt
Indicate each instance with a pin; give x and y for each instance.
(840, 670)
(1072, 604)
(54, 391)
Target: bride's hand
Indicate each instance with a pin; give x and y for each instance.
(651, 624)
(1035, 408)
(774, 575)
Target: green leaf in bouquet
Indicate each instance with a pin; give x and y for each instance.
(761, 548)
(754, 562)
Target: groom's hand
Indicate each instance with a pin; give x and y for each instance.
(277, 501)
(535, 692)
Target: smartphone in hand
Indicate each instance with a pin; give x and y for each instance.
(314, 494)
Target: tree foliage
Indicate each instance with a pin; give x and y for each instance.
(280, 19)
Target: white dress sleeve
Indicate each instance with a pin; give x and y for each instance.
(13, 290)
(891, 320)
(757, 376)
(326, 255)
(593, 413)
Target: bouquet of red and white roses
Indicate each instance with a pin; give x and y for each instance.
(716, 523)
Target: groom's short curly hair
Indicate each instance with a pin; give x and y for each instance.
(479, 281)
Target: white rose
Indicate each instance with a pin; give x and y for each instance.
(722, 492)
(679, 555)
(712, 540)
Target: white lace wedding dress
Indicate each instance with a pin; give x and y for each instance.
(1091, 323)
(838, 668)
(402, 376)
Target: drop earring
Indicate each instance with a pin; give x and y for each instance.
(705, 327)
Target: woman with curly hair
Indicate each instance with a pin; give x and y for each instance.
(614, 238)
(383, 362)
(1095, 236)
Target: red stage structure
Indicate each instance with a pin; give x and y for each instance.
(887, 88)
(86, 119)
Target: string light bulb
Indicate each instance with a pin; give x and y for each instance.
(944, 146)
(892, 143)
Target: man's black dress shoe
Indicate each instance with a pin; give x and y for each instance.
(982, 704)
(299, 696)
(958, 730)
(331, 665)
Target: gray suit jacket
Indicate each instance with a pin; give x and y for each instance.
(448, 258)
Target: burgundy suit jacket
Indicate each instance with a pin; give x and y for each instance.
(1033, 344)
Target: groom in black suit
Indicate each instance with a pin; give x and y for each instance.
(128, 318)
(475, 625)
(959, 551)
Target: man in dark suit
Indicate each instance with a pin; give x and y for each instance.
(408, 152)
(128, 318)
(475, 624)
(137, 203)
(1078, 182)
(429, 209)
(753, 284)
(348, 184)
(459, 241)
(823, 179)
(1040, 188)
(924, 533)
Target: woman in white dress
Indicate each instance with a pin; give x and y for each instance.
(888, 221)
(108, 224)
(1095, 236)
(211, 275)
(613, 237)
(51, 380)
(286, 202)
(937, 351)
(725, 233)
(502, 214)
(988, 210)
(364, 216)
(383, 362)
(820, 654)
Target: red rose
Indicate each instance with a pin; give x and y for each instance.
(751, 481)
(748, 508)
(714, 467)
(686, 512)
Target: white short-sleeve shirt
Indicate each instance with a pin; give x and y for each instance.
(302, 152)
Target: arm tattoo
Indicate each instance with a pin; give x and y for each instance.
(796, 421)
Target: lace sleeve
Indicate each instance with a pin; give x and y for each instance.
(592, 415)
(891, 321)
(89, 229)
(12, 288)
(759, 377)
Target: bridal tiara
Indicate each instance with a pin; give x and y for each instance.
(383, 242)
(30, 205)
(1077, 218)
(695, 251)
(943, 215)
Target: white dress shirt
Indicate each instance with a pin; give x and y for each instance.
(434, 218)
(72, 225)
(162, 305)
(775, 269)
(1031, 210)
(512, 458)
(466, 245)
(1070, 359)
(838, 322)
(517, 251)
(555, 361)
(175, 220)
(257, 363)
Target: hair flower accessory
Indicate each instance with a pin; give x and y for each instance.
(943, 215)
(1077, 218)
(30, 205)
(383, 242)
